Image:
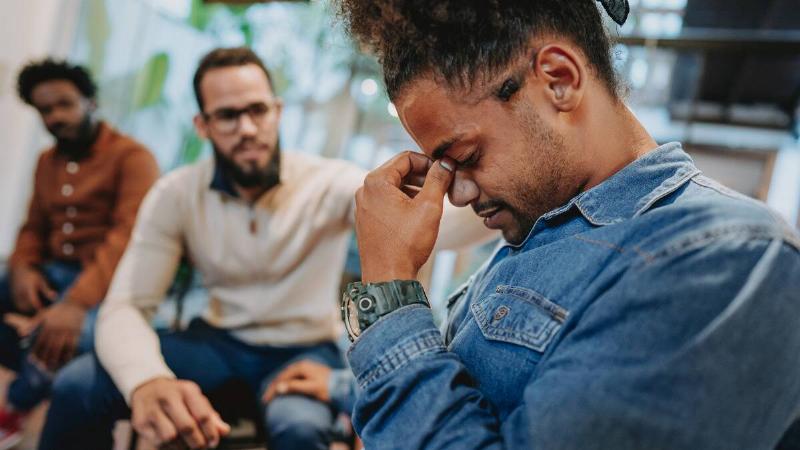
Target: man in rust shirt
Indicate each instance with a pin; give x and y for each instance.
(86, 193)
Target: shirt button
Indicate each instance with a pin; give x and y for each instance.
(72, 211)
(67, 228)
(500, 313)
(68, 249)
(66, 190)
(72, 167)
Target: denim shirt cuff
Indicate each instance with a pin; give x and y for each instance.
(394, 341)
(340, 389)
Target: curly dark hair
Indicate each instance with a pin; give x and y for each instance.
(49, 69)
(462, 40)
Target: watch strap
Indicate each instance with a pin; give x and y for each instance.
(385, 297)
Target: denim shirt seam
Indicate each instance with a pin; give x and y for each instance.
(645, 255)
(401, 354)
(704, 237)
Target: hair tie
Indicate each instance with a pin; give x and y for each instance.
(617, 9)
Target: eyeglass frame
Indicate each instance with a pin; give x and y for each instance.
(213, 117)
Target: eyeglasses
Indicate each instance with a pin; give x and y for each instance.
(228, 120)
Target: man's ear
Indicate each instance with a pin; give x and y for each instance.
(279, 106)
(563, 72)
(200, 125)
(92, 106)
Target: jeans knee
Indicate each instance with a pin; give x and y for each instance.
(70, 383)
(294, 422)
(298, 435)
(80, 382)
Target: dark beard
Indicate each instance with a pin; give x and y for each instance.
(78, 148)
(265, 178)
(531, 201)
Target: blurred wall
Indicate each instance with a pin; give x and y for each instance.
(28, 29)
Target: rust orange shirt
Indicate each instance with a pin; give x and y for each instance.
(83, 210)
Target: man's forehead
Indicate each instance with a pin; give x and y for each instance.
(435, 116)
(235, 86)
(52, 90)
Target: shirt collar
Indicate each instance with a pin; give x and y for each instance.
(634, 189)
(221, 183)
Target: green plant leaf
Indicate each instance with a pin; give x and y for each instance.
(200, 15)
(149, 85)
(247, 32)
(192, 148)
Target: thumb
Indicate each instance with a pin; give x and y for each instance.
(22, 324)
(47, 291)
(438, 180)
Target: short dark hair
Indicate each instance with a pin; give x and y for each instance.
(37, 72)
(462, 40)
(226, 57)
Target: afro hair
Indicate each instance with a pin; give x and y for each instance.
(462, 40)
(38, 72)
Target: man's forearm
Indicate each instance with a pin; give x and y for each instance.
(128, 347)
(404, 368)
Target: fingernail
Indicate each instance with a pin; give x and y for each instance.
(447, 166)
(281, 388)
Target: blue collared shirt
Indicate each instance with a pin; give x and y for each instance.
(658, 310)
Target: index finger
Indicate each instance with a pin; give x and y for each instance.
(406, 164)
(184, 422)
(294, 370)
(33, 298)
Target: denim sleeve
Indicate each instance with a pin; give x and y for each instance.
(698, 348)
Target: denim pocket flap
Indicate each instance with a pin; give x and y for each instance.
(519, 316)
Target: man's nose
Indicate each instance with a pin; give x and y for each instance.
(247, 127)
(54, 118)
(463, 190)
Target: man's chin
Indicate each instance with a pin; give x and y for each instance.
(512, 238)
(515, 234)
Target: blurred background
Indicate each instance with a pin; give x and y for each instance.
(722, 76)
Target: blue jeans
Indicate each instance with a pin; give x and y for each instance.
(86, 403)
(32, 384)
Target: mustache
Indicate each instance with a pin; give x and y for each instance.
(240, 146)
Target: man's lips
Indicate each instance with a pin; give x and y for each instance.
(488, 212)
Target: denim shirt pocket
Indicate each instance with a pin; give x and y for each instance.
(520, 316)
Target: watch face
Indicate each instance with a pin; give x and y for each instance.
(351, 319)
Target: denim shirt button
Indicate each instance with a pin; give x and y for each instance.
(500, 313)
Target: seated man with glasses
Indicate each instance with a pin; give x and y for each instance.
(268, 231)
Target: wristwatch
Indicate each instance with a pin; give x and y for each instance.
(363, 304)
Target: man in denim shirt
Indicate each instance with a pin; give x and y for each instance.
(635, 303)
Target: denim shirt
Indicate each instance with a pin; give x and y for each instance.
(658, 310)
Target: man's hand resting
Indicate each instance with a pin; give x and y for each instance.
(305, 377)
(164, 410)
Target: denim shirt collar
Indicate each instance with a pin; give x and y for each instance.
(221, 183)
(634, 189)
